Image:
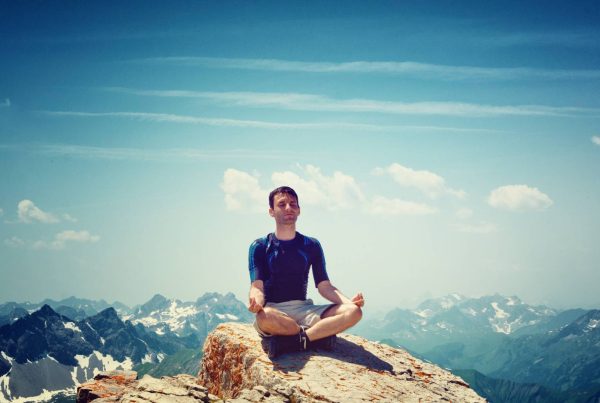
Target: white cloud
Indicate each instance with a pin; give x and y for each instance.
(1, 212)
(596, 140)
(14, 242)
(141, 154)
(29, 212)
(338, 191)
(243, 192)
(5, 103)
(519, 197)
(260, 124)
(406, 68)
(320, 103)
(221, 122)
(334, 192)
(380, 205)
(482, 227)
(62, 238)
(427, 182)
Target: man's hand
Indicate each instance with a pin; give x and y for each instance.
(254, 306)
(358, 300)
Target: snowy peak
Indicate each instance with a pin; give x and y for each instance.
(164, 315)
(157, 302)
(586, 326)
(435, 305)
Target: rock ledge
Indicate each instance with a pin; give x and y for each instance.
(356, 371)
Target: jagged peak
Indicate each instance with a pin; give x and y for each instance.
(45, 311)
(156, 298)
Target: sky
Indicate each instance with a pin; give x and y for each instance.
(436, 147)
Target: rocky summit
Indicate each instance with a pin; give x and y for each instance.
(357, 370)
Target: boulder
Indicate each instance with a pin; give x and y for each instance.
(357, 370)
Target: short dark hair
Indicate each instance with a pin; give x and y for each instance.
(282, 189)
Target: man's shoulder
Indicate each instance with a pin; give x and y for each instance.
(309, 241)
(260, 242)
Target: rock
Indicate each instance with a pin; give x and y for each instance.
(122, 386)
(107, 386)
(236, 367)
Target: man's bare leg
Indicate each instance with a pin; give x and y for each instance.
(276, 323)
(335, 320)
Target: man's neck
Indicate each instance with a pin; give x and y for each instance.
(285, 233)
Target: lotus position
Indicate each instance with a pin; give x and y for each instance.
(279, 265)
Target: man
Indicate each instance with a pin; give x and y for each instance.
(279, 265)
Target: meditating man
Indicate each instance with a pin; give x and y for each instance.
(279, 264)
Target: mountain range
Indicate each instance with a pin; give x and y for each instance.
(45, 349)
(514, 349)
(507, 350)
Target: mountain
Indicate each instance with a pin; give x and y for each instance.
(72, 307)
(565, 359)
(44, 352)
(10, 312)
(521, 350)
(164, 315)
(454, 318)
(186, 361)
(502, 390)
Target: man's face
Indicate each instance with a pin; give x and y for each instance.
(285, 209)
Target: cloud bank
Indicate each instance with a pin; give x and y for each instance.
(335, 192)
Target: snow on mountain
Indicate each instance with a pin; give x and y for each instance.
(164, 315)
(44, 353)
(72, 326)
(453, 318)
(39, 380)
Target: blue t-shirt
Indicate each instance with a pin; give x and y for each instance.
(283, 266)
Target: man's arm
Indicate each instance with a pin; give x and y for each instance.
(331, 293)
(256, 300)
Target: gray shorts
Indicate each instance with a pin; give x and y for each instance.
(305, 313)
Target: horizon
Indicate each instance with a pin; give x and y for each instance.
(435, 148)
(374, 310)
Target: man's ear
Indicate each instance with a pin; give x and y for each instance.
(271, 212)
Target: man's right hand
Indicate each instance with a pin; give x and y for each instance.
(254, 306)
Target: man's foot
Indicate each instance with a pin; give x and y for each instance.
(278, 345)
(326, 343)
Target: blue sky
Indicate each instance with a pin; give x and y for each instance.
(437, 147)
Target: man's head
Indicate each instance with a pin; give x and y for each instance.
(283, 206)
(282, 190)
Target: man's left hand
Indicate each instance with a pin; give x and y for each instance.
(358, 300)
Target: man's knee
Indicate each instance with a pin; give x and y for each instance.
(274, 322)
(354, 314)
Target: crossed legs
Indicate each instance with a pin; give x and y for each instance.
(333, 321)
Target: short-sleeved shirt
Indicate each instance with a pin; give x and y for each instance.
(283, 266)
